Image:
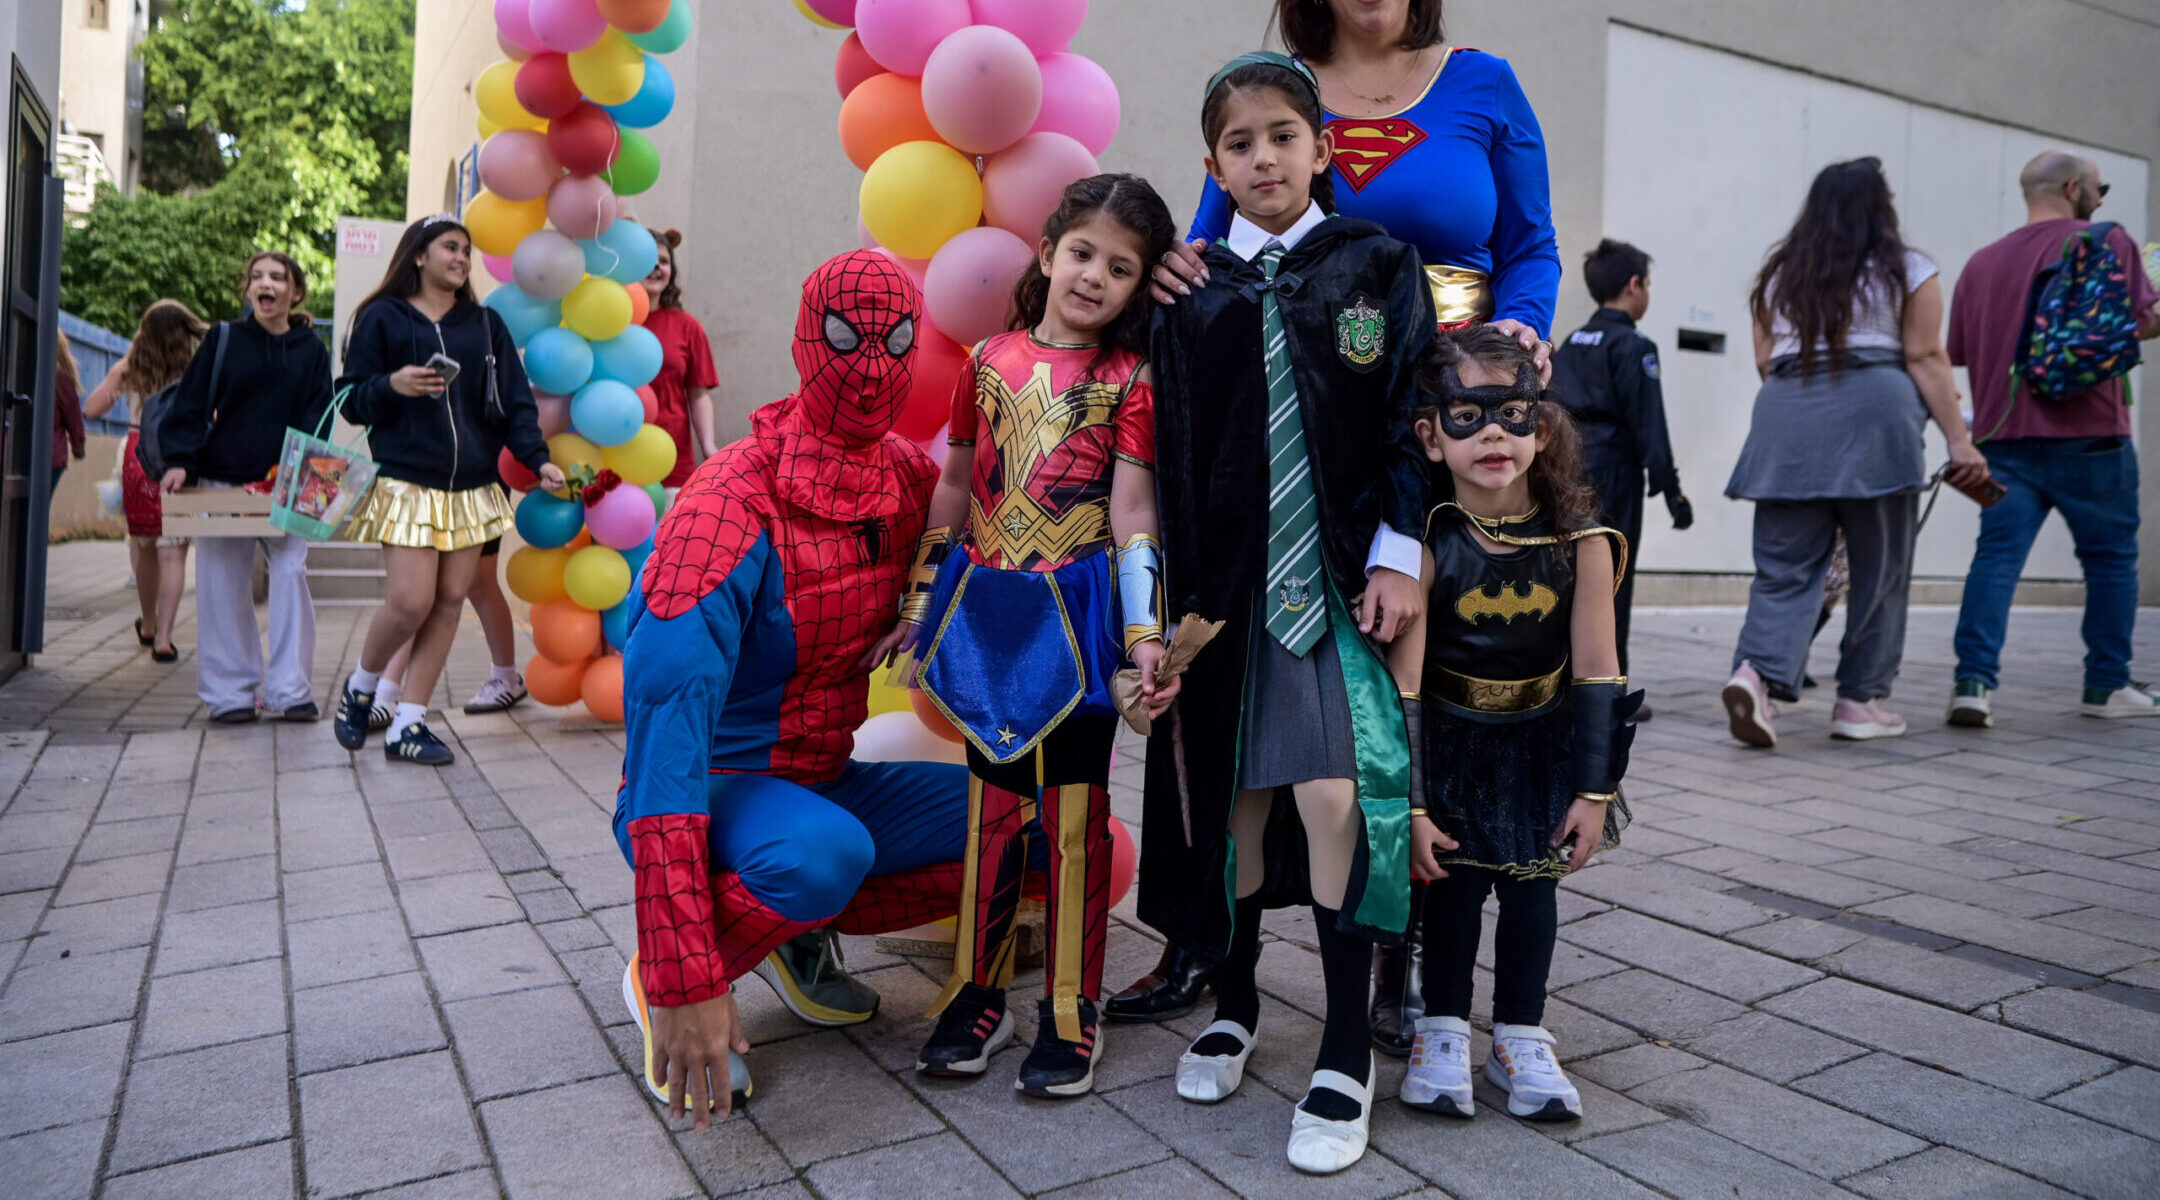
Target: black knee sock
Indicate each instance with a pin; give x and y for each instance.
(1346, 1038)
(1237, 994)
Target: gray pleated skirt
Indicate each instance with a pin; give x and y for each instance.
(1297, 715)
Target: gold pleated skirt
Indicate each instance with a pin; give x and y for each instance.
(397, 513)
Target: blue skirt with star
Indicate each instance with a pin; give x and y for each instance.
(1010, 654)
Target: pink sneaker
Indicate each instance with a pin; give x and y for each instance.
(1859, 722)
(1748, 708)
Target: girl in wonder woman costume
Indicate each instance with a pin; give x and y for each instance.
(1039, 574)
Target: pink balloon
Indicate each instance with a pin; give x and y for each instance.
(938, 447)
(554, 412)
(651, 400)
(548, 265)
(1025, 184)
(513, 25)
(968, 289)
(839, 12)
(1079, 100)
(981, 89)
(515, 164)
(915, 267)
(511, 51)
(900, 34)
(862, 234)
(499, 268)
(566, 25)
(581, 205)
(623, 518)
(1047, 26)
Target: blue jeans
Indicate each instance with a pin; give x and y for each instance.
(2094, 483)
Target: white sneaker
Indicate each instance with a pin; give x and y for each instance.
(1972, 705)
(1748, 709)
(1211, 1078)
(2129, 700)
(497, 694)
(1439, 1078)
(633, 994)
(1319, 1146)
(1523, 1066)
(1857, 722)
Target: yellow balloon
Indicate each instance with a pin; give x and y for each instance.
(496, 90)
(610, 71)
(569, 451)
(597, 578)
(804, 8)
(498, 225)
(488, 128)
(646, 458)
(917, 195)
(597, 309)
(536, 576)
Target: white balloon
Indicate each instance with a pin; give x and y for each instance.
(902, 737)
(548, 265)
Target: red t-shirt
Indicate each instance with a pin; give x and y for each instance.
(1987, 318)
(686, 362)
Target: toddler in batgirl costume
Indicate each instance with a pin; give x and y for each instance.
(1042, 548)
(1526, 718)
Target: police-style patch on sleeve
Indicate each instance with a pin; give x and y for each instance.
(1360, 333)
(1650, 365)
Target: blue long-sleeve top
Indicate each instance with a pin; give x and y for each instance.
(1460, 174)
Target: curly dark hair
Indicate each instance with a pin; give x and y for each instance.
(1557, 480)
(1846, 238)
(1308, 27)
(1130, 201)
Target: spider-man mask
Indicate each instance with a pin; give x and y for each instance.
(854, 343)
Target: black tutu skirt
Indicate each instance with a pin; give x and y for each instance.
(1501, 790)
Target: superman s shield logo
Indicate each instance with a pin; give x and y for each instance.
(1366, 146)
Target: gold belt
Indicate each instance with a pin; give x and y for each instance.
(1494, 695)
(1460, 295)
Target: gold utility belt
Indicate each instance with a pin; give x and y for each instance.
(1500, 696)
(1460, 295)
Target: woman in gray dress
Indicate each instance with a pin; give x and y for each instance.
(1848, 339)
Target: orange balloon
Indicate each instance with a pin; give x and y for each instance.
(634, 16)
(555, 683)
(882, 112)
(582, 540)
(565, 632)
(602, 689)
(640, 303)
(932, 719)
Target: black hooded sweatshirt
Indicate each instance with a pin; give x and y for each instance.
(268, 381)
(451, 441)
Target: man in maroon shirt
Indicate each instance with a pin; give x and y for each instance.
(2070, 453)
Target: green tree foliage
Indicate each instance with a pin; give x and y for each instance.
(264, 121)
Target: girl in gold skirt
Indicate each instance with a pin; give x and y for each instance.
(435, 430)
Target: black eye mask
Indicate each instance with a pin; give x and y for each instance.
(1491, 402)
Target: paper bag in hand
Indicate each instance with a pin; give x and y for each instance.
(1186, 641)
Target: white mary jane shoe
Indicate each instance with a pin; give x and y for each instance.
(1319, 1146)
(1210, 1078)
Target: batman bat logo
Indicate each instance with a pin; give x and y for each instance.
(1511, 601)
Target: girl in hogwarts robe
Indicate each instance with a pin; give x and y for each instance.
(1291, 498)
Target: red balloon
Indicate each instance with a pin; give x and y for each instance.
(545, 88)
(938, 363)
(513, 473)
(651, 400)
(585, 140)
(853, 65)
(1124, 860)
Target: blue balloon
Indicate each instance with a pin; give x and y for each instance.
(606, 413)
(546, 522)
(524, 314)
(615, 622)
(623, 252)
(631, 358)
(558, 361)
(653, 102)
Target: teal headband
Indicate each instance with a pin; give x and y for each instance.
(1265, 58)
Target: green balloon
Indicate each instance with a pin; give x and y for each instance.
(659, 499)
(637, 166)
(669, 36)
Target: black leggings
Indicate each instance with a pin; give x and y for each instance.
(1522, 945)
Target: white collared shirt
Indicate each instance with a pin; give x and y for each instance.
(1248, 241)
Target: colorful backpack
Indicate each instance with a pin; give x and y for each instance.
(2079, 332)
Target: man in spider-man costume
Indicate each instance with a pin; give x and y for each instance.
(771, 584)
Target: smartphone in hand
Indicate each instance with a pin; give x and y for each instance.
(445, 366)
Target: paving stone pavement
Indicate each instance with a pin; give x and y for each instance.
(239, 962)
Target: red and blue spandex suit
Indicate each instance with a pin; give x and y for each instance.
(778, 568)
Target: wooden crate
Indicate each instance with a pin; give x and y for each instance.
(218, 512)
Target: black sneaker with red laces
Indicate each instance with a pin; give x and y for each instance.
(973, 1027)
(1056, 1068)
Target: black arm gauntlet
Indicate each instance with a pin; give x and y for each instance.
(1603, 714)
(1413, 714)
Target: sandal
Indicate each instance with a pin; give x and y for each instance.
(147, 639)
(165, 656)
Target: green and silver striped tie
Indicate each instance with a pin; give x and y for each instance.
(1295, 595)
